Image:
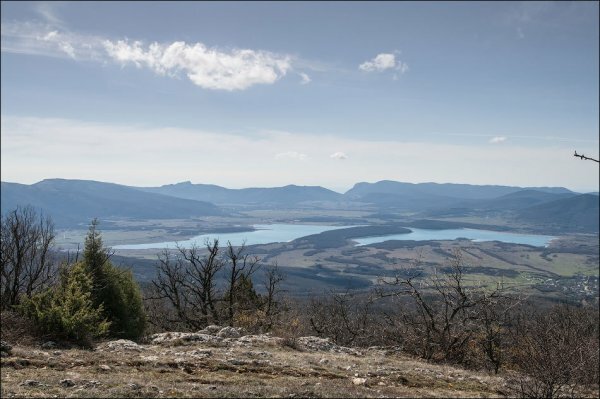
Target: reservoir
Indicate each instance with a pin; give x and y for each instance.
(264, 234)
(453, 234)
(271, 233)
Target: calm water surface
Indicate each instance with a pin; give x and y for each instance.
(453, 234)
(264, 234)
(270, 233)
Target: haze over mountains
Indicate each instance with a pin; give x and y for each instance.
(290, 194)
(72, 202)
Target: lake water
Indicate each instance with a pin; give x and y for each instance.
(453, 234)
(264, 234)
(270, 233)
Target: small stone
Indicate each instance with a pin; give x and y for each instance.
(359, 381)
(212, 329)
(67, 383)
(92, 383)
(323, 361)
(30, 383)
(49, 345)
(104, 367)
(133, 386)
(5, 347)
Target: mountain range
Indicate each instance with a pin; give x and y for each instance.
(290, 194)
(72, 202)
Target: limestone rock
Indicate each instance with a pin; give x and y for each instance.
(122, 345)
(212, 329)
(359, 381)
(230, 332)
(171, 337)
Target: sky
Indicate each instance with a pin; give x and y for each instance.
(263, 94)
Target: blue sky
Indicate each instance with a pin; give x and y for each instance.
(274, 93)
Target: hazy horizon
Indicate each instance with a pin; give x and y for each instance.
(340, 191)
(261, 94)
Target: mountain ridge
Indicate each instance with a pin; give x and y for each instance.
(77, 201)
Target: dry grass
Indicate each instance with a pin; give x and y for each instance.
(234, 370)
(200, 371)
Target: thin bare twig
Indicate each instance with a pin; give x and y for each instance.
(584, 157)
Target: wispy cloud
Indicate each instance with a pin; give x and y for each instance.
(498, 139)
(207, 67)
(513, 137)
(305, 78)
(382, 62)
(48, 41)
(48, 11)
(338, 155)
(291, 155)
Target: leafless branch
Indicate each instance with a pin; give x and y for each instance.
(583, 157)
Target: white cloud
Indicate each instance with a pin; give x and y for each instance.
(291, 155)
(37, 148)
(382, 62)
(206, 67)
(305, 78)
(498, 139)
(338, 155)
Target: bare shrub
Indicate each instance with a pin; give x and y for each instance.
(449, 316)
(19, 330)
(556, 349)
(26, 264)
(345, 317)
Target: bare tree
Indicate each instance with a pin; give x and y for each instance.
(170, 285)
(201, 280)
(187, 281)
(273, 280)
(345, 317)
(447, 313)
(26, 264)
(241, 267)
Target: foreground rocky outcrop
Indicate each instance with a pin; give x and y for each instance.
(226, 362)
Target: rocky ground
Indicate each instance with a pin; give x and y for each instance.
(222, 362)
